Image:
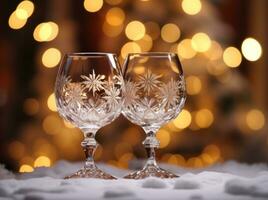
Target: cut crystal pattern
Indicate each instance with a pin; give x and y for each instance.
(89, 101)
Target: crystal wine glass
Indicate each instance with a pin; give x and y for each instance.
(88, 94)
(154, 94)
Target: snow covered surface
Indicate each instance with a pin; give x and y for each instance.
(226, 181)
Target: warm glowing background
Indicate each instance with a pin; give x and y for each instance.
(222, 45)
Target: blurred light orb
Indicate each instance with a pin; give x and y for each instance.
(170, 33)
(115, 16)
(42, 161)
(28, 6)
(26, 168)
(193, 85)
(51, 57)
(46, 31)
(164, 138)
(255, 119)
(51, 103)
(185, 49)
(232, 57)
(130, 47)
(135, 30)
(201, 42)
(213, 151)
(52, 124)
(112, 31)
(215, 51)
(152, 29)
(113, 2)
(145, 43)
(31, 106)
(15, 22)
(183, 120)
(251, 49)
(93, 5)
(191, 7)
(204, 118)
(21, 14)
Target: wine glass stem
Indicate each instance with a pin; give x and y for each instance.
(89, 145)
(151, 143)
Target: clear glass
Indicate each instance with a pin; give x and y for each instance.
(154, 94)
(88, 94)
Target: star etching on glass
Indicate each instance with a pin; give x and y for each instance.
(149, 81)
(112, 95)
(130, 91)
(93, 82)
(75, 94)
(169, 93)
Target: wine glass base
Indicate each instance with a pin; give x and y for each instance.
(91, 173)
(151, 171)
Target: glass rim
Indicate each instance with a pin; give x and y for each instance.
(84, 54)
(153, 54)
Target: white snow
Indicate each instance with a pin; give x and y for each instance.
(227, 181)
(152, 182)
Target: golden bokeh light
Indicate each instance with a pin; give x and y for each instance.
(232, 57)
(115, 16)
(183, 120)
(164, 138)
(145, 43)
(215, 51)
(135, 30)
(16, 23)
(46, 31)
(28, 6)
(52, 124)
(21, 14)
(51, 103)
(176, 160)
(139, 69)
(251, 49)
(93, 5)
(68, 124)
(255, 119)
(31, 106)
(51, 57)
(206, 159)
(194, 162)
(152, 29)
(130, 47)
(213, 151)
(193, 85)
(201, 42)
(170, 33)
(42, 161)
(185, 49)
(26, 168)
(112, 31)
(204, 118)
(191, 7)
(113, 2)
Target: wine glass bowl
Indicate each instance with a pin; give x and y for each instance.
(88, 94)
(154, 94)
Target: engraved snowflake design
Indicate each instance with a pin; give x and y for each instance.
(149, 81)
(130, 91)
(93, 82)
(112, 96)
(169, 93)
(74, 94)
(61, 82)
